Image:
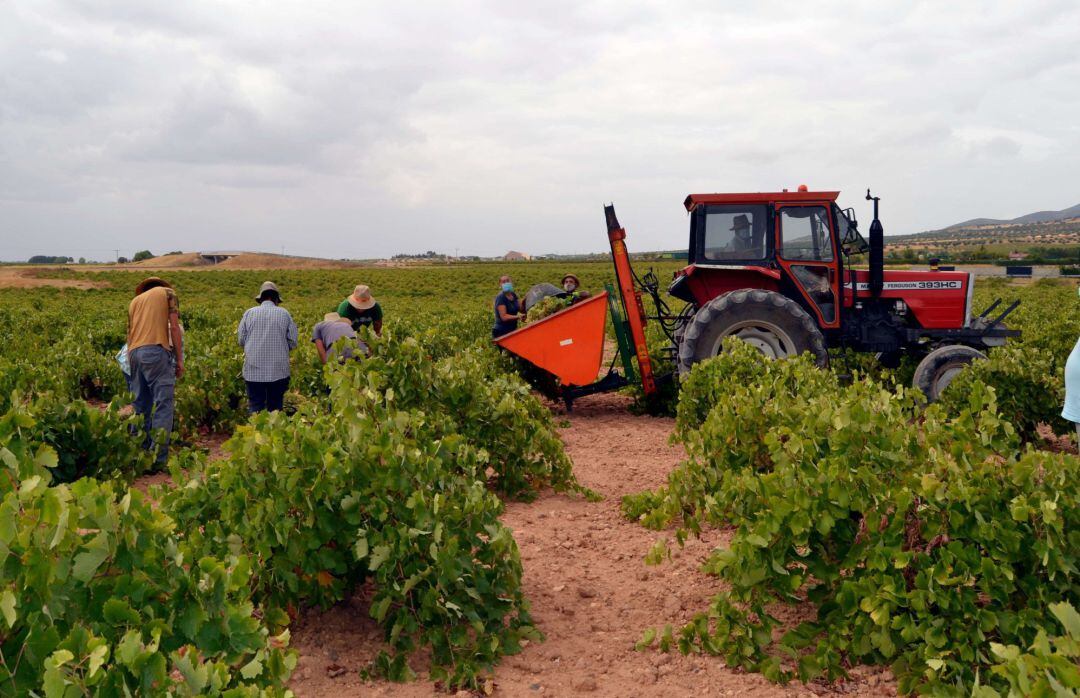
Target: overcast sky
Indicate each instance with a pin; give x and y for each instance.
(362, 129)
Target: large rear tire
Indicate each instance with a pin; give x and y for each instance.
(939, 367)
(774, 324)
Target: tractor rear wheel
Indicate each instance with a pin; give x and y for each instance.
(939, 367)
(774, 324)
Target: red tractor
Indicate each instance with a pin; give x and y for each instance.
(776, 270)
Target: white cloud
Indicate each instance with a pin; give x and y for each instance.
(363, 129)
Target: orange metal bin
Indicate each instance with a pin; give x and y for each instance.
(568, 344)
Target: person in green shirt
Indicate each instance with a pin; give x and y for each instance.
(361, 310)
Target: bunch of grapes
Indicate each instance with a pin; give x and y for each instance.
(546, 307)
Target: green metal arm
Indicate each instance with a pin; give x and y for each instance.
(622, 333)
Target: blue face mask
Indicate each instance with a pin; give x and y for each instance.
(508, 287)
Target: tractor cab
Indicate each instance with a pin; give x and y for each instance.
(788, 242)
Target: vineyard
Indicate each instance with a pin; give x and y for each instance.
(842, 522)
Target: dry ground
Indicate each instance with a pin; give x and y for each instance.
(19, 276)
(27, 277)
(591, 594)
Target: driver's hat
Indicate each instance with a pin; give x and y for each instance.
(740, 221)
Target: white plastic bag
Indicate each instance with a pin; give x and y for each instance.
(122, 359)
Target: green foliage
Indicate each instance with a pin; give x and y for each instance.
(98, 596)
(49, 259)
(1050, 666)
(1027, 374)
(142, 255)
(920, 536)
(470, 394)
(739, 375)
(88, 441)
(323, 502)
(740, 366)
(666, 399)
(1029, 384)
(211, 398)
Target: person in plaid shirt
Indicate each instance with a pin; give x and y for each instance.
(267, 333)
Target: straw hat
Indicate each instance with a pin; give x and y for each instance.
(268, 286)
(150, 282)
(361, 298)
(331, 317)
(571, 276)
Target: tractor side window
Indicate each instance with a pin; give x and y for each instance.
(851, 242)
(804, 233)
(735, 233)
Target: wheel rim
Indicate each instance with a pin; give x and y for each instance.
(946, 375)
(766, 337)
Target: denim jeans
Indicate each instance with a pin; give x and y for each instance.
(266, 396)
(153, 377)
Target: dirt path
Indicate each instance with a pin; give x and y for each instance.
(591, 594)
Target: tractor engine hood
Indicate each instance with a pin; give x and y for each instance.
(937, 299)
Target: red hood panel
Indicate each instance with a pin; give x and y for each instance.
(937, 299)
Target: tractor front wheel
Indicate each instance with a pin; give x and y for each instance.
(939, 367)
(774, 324)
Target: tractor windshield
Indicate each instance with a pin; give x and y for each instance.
(736, 232)
(851, 241)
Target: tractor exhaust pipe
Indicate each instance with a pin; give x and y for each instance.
(877, 250)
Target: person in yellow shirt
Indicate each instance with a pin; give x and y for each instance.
(156, 357)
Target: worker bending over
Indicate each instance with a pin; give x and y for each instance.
(362, 310)
(335, 337)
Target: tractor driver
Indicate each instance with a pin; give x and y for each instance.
(743, 240)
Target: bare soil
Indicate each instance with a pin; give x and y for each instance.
(28, 277)
(18, 276)
(591, 593)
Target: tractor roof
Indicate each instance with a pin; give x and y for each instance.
(768, 197)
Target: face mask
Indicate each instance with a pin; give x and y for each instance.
(508, 287)
(568, 287)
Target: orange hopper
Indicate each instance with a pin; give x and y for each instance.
(568, 344)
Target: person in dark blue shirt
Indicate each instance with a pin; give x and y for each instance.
(507, 309)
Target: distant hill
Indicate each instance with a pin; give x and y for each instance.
(237, 260)
(1037, 217)
(994, 237)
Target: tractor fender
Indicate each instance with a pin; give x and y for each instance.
(701, 283)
